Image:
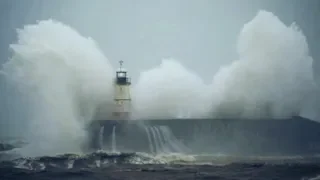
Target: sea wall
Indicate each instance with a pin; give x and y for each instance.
(292, 136)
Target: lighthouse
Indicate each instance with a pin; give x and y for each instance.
(122, 97)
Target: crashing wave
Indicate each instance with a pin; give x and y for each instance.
(102, 159)
(76, 161)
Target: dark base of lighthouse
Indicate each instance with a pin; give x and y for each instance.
(291, 136)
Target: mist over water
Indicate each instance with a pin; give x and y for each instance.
(67, 77)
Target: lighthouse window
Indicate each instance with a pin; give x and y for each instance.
(121, 74)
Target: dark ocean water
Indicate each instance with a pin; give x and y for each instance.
(138, 166)
(182, 172)
(286, 149)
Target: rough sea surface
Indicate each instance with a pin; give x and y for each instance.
(140, 166)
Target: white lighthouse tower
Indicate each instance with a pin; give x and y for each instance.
(122, 97)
